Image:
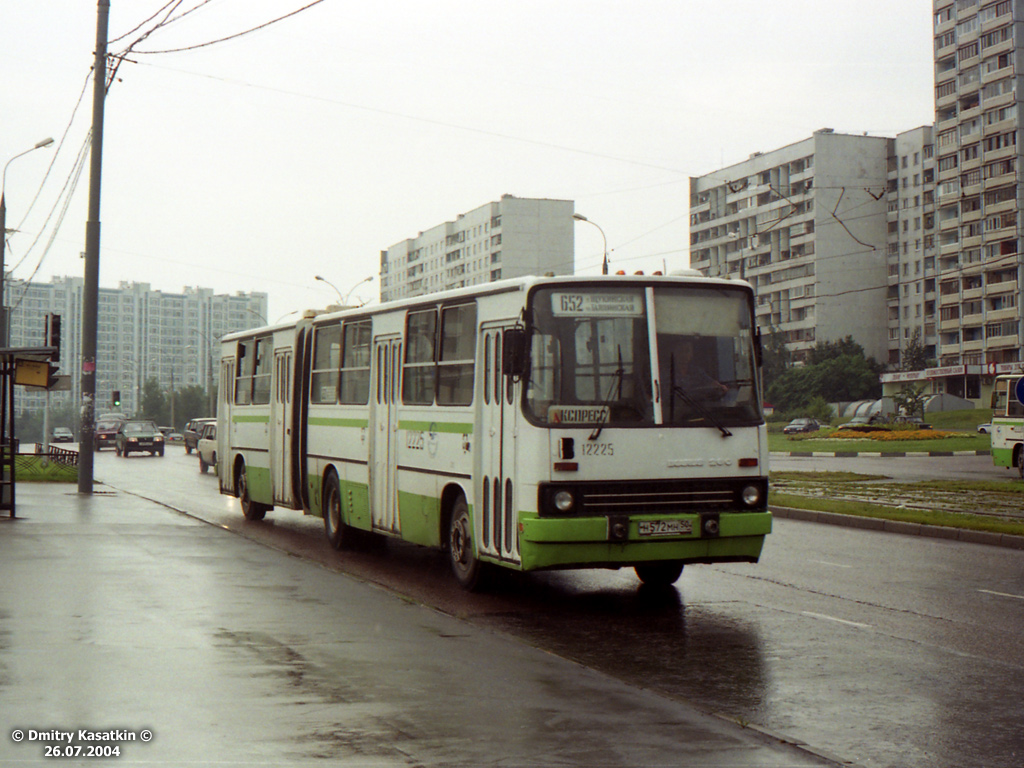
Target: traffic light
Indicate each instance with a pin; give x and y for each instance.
(116, 399)
(53, 334)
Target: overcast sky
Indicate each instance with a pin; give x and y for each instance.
(306, 147)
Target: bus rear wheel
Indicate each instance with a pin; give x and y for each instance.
(464, 562)
(252, 510)
(659, 574)
(338, 533)
(1020, 461)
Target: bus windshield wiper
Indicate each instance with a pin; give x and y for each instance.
(700, 409)
(614, 394)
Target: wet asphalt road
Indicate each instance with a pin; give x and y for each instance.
(881, 649)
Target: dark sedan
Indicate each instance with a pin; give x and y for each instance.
(105, 434)
(796, 426)
(139, 436)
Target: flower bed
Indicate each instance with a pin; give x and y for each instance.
(890, 435)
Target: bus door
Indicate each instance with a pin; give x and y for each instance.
(281, 427)
(495, 513)
(225, 427)
(386, 391)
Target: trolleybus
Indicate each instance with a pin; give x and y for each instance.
(1008, 422)
(531, 423)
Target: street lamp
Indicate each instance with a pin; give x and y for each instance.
(604, 263)
(3, 232)
(364, 280)
(325, 280)
(343, 299)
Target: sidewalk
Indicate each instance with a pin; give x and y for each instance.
(136, 628)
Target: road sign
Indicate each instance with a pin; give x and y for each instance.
(35, 373)
(1018, 390)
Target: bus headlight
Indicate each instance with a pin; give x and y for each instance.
(751, 495)
(564, 501)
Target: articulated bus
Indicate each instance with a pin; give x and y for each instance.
(1008, 422)
(531, 423)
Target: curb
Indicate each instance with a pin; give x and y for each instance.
(877, 454)
(1005, 540)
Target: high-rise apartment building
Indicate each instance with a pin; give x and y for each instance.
(143, 334)
(509, 238)
(978, 92)
(806, 226)
(911, 255)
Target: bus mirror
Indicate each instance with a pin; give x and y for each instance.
(513, 352)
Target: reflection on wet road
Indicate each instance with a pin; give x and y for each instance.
(881, 649)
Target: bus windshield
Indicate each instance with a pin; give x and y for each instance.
(636, 356)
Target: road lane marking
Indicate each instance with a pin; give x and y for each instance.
(834, 565)
(826, 617)
(1001, 594)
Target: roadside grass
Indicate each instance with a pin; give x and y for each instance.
(32, 468)
(974, 494)
(924, 517)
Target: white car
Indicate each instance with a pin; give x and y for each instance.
(62, 435)
(206, 447)
(985, 429)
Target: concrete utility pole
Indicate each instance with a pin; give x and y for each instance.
(90, 293)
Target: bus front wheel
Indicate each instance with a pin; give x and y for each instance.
(252, 510)
(337, 531)
(659, 574)
(464, 562)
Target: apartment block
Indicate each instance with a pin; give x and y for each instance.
(807, 226)
(143, 334)
(508, 238)
(978, 64)
(912, 250)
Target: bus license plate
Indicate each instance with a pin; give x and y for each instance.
(665, 527)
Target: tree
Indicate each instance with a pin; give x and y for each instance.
(154, 402)
(826, 350)
(775, 357)
(914, 357)
(190, 403)
(835, 371)
(910, 400)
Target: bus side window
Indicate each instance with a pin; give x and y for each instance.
(261, 373)
(243, 375)
(458, 352)
(355, 364)
(326, 361)
(419, 371)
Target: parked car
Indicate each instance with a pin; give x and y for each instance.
(62, 435)
(861, 423)
(139, 436)
(985, 429)
(192, 430)
(797, 426)
(105, 433)
(207, 447)
(914, 421)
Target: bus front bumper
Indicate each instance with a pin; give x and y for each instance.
(628, 540)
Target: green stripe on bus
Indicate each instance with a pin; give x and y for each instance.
(254, 419)
(436, 426)
(324, 421)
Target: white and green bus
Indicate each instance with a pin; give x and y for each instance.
(1008, 422)
(532, 423)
